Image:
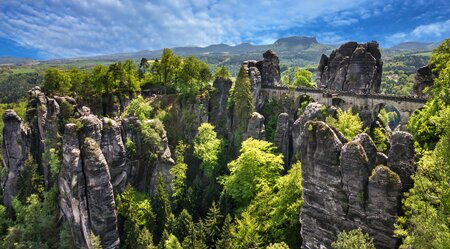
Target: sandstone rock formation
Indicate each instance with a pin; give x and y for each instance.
(343, 190)
(100, 195)
(282, 137)
(423, 79)
(255, 80)
(219, 115)
(113, 150)
(15, 149)
(401, 157)
(72, 198)
(352, 67)
(270, 69)
(255, 128)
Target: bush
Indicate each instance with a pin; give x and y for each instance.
(348, 123)
(354, 239)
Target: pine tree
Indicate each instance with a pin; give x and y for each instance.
(161, 205)
(212, 225)
(226, 237)
(243, 103)
(181, 229)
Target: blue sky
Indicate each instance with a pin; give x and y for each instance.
(55, 29)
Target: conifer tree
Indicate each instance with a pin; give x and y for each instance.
(243, 103)
(161, 205)
(226, 237)
(212, 225)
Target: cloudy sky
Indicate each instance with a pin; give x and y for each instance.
(54, 29)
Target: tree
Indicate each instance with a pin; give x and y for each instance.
(193, 77)
(226, 237)
(182, 223)
(136, 210)
(212, 225)
(256, 166)
(207, 148)
(222, 73)
(139, 108)
(56, 82)
(273, 213)
(354, 239)
(178, 173)
(172, 243)
(168, 68)
(161, 205)
(303, 77)
(243, 105)
(348, 123)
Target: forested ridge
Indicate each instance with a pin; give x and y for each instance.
(204, 169)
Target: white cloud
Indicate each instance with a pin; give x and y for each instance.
(428, 32)
(88, 27)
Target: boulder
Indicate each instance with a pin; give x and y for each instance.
(401, 157)
(256, 128)
(423, 79)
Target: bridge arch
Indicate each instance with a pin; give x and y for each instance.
(389, 114)
(339, 103)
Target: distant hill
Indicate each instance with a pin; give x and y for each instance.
(412, 47)
(9, 60)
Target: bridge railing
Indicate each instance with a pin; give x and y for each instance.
(333, 94)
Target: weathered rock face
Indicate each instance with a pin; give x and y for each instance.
(15, 149)
(219, 115)
(401, 157)
(352, 67)
(255, 80)
(256, 128)
(270, 69)
(424, 79)
(72, 198)
(113, 150)
(100, 196)
(313, 111)
(343, 190)
(41, 116)
(142, 173)
(282, 137)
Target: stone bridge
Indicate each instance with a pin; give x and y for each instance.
(371, 104)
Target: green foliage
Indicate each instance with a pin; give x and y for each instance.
(15, 86)
(130, 147)
(256, 166)
(55, 163)
(193, 77)
(195, 237)
(168, 67)
(354, 239)
(281, 245)
(270, 111)
(182, 225)
(212, 225)
(243, 103)
(35, 225)
(30, 181)
(136, 210)
(178, 174)
(56, 82)
(348, 123)
(303, 77)
(380, 139)
(66, 112)
(139, 108)
(222, 73)
(397, 82)
(426, 124)
(273, 213)
(152, 131)
(172, 243)
(161, 205)
(96, 243)
(5, 221)
(207, 148)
